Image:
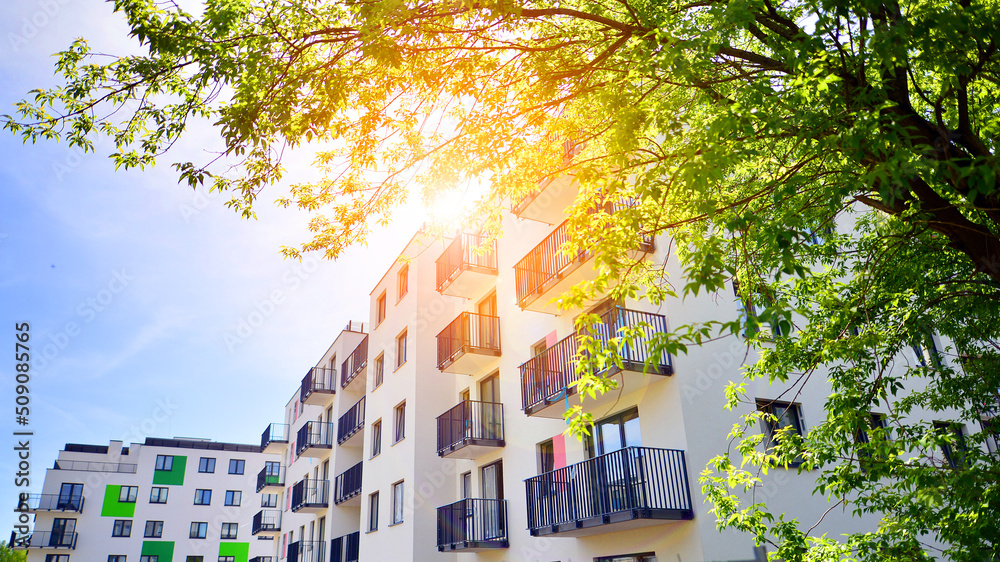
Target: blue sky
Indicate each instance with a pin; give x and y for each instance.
(136, 287)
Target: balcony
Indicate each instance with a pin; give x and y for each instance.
(549, 378)
(472, 525)
(467, 267)
(547, 272)
(45, 540)
(347, 487)
(345, 548)
(263, 559)
(351, 424)
(87, 466)
(34, 503)
(311, 496)
(629, 488)
(271, 480)
(318, 386)
(355, 364)
(307, 551)
(469, 345)
(274, 438)
(470, 429)
(315, 439)
(267, 523)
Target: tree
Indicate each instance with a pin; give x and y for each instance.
(7, 554)
(747, 130)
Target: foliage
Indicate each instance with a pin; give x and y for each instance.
(7, 554)
(837, 158)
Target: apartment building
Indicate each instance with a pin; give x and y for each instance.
(163, 500)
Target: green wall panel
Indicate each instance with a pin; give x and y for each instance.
(239, 550)
(114, 508)
(174, 476)
(163, 549)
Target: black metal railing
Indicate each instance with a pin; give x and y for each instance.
(347, 484)
(266, 520)
(88, 466)
(51, 502)
(553, 372)
(270, 476)
(470, 422)
(653, 483)
(310, 493)
(355, 363)
(466, 251)
(275, 433)
(318, 379)
(314, 434)
(345, 548)
(472, 523)
(351, 422)
(44, 539)
(307, 551)
(473, 332)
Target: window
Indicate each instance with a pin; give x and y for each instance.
(954, 452)
(466, 485)
(148, 558)
(746, 306)
(402, 282)
(376, 438)
(227, 559)
(229, 530)
(164, 462)
(379, 371)
(57, 558)
(116, 558)
(269, 500)
(158, 494)
(206, 464)
(373, 512)
(401, 349)
(233, 497)
(203, 497)
(128, 494)
(397, 503)
(195, 559)
(122, 528)
(991, 426)
(399, 423)
(70, 496)
(644, 557)
(199, 530)
(154, 529)
(236, 466)
(380, 309)
(546, 457)
(925, 351)
(780, 418)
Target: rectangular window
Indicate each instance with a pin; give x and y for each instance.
(154, 529)
(195, 559)
(164, 462)
(128, 494)
(158, 494)
(236, 466)
(546, 457)
(373, 512)
(229, 530)
(122, 528)
(644, 557)
(57, 558)
(955, 451)
(380, 309)
(402, 282)
(401, 349)
(376, 438)
(925, 351)
(397, 502)
(269, 500)
(206, 464)
(116, 558)
(199, 530)
(379, 371)
(399, 423)
(227, 559)
(203, 497)
(991, 426)
(149, 558)
(233, 497)
(781, 418)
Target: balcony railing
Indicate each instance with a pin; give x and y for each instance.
(345, 548)
(355, 363)
(307, 551)
(276, 433)
(552, 374)
(310, 494)
(347, 485)
(465, 265)
(472, 524)
(314, 438)
(88, 466)
(469, 334)
(266, 521)
(44, 540)
(318, 384)
(471, 427)
(262, 559)
(51, 502)
(634, 483)
(351, 422)
(270, 476)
